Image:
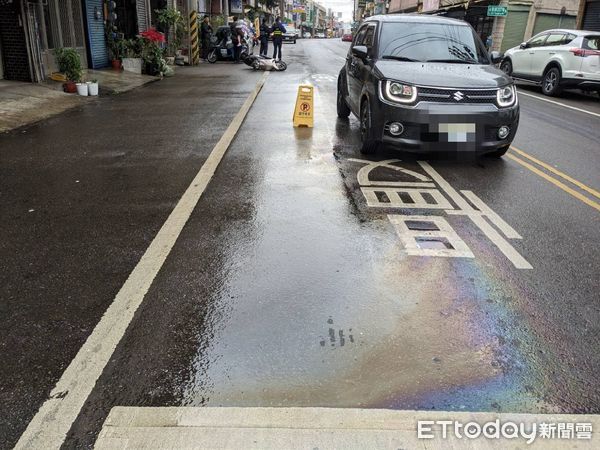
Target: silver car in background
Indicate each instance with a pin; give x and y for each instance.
(557, 59)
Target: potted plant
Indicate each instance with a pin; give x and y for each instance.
(152, 54)
(93, 88)
(132, 55)
(172, 23)
(115, 47)
(69, 63)
(82, 88)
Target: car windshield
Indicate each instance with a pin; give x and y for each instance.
(431, 42)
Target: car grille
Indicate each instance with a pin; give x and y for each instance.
(439, 95)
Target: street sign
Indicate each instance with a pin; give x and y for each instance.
(497, 11)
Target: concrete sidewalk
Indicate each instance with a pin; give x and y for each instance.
(322, 428)
(26, 103)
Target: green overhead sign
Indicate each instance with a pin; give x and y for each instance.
(497, 11)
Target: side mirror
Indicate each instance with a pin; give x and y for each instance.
(360, 51)
(523, 45)
(496, 57)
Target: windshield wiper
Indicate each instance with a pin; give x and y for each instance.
(399, 58)
(455, 61)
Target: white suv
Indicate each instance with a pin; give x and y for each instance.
(557, 59)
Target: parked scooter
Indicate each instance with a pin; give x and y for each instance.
(222, 47)
(264, 63)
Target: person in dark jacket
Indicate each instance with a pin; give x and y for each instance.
(236, 39)
(278, 32)
(206, 32)
(265, 30)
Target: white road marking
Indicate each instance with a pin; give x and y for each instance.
(52, 422)
(363, 175)
(416, 195)
(477, 216)
(559, 103)
(410, 237)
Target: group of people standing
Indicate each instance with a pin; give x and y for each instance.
(237, 37)
(277, 30)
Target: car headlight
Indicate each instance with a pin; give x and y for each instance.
(506, 96)
(397, 92)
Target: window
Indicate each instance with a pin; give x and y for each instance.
(368, 40)
(555, 39)
(538, 41)
(360, 36)
(591, 43)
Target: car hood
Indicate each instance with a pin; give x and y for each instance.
(443, 74)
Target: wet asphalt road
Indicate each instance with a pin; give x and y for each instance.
(286, 288)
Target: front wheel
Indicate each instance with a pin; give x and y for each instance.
(343, 111)
(212, 56)
(551, 82)
(281, 66)
(506, 67)
(369, 145)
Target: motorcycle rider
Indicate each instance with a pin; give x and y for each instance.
(265, 30)
(278, 32)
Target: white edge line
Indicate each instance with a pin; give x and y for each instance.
(559, 103)
(49, 427)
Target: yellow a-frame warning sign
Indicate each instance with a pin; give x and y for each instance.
(304, 110)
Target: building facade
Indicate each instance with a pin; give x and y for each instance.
(524, 18)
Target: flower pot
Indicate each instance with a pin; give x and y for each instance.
(93, 89)
(70, 87)
(116, 64)
(132, 65)
(151, 68)
(82, 89)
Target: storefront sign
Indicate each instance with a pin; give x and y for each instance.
(497, 11)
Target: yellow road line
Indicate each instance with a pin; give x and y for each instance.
(555, 182)
(557, 172)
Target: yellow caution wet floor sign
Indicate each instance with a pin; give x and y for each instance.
(304, 111)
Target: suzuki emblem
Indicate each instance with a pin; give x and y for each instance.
(458, 96)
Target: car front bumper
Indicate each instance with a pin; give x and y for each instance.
(424, 126)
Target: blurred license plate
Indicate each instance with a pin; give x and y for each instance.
(457, 132)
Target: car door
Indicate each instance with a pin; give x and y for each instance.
(521, 58)
(352, 70)
(535, 47)
(544, 54)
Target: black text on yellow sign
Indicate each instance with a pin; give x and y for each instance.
(304, 110)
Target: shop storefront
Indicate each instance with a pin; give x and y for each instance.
(590, 17)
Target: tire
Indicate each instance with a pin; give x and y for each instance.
(551, 82)
(369, 145)
(343, 112)
(499, 153)
(281, 66)
(212, 56)
(256, 65)
(506, 67)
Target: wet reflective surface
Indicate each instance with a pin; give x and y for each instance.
(287, 289)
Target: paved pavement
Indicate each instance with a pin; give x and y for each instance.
(289, 284)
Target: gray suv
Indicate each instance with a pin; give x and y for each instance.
(427, 84)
